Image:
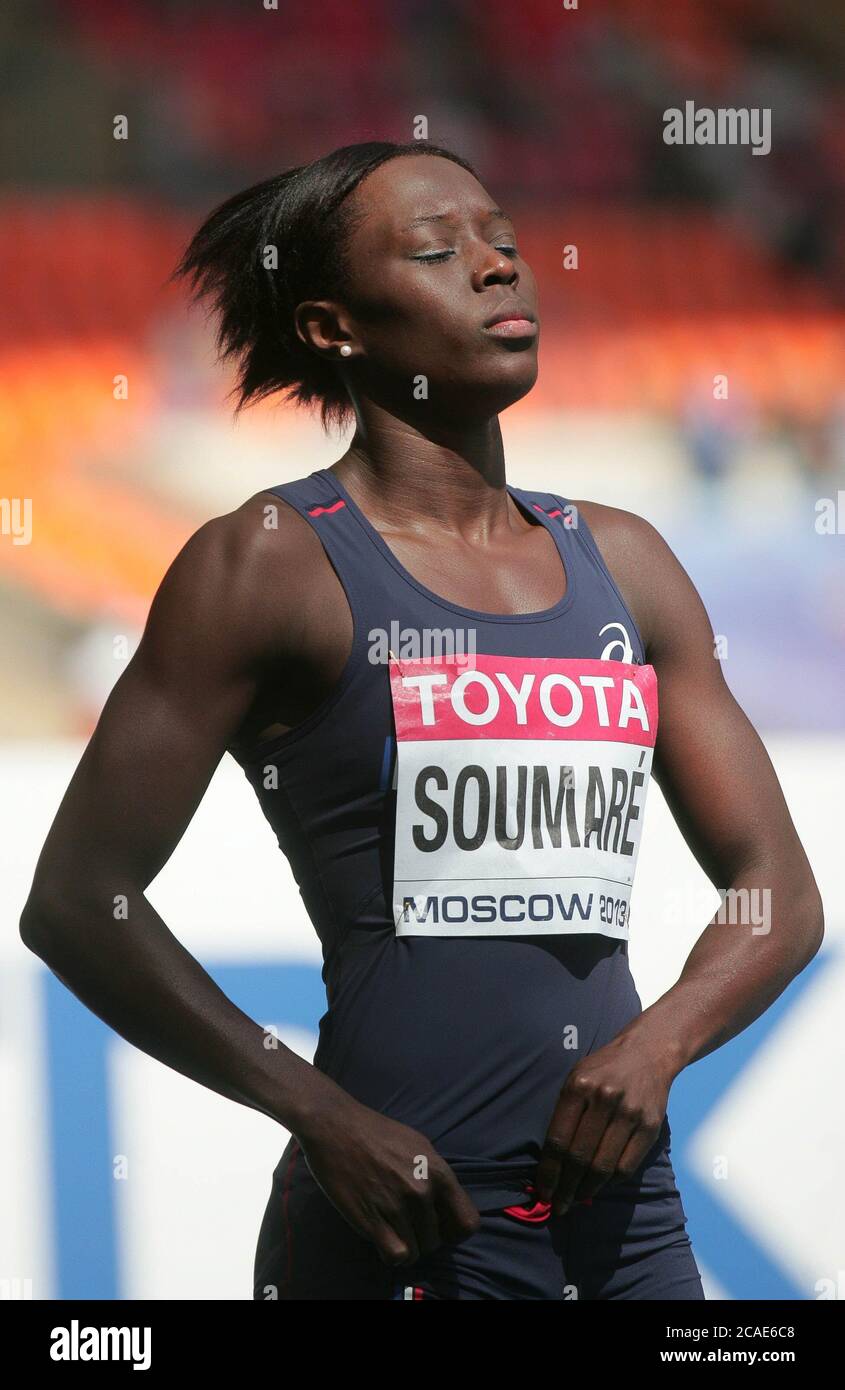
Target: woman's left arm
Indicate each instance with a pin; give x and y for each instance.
(723, 792)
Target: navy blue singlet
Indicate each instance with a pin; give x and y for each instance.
(458, 1003)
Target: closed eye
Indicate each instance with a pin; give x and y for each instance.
(433, 257)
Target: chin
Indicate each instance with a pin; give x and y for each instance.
(487, 392)
(510, 385)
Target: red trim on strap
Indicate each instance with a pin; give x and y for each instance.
(327, 511)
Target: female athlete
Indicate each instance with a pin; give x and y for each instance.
(449, 695)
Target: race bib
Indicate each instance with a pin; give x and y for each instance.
(520, 793)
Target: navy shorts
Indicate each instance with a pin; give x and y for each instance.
(629, 1241)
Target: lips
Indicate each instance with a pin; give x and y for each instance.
(512, 328)
(511, 321)
(510, 313)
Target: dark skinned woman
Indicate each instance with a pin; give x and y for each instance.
(449, 695)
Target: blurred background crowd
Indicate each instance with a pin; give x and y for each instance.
(693, 261)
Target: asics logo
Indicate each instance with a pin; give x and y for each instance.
(620, 648)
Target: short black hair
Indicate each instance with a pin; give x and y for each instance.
(303, 213)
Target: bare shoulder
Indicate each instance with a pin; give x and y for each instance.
(245, 578)
(619, 531)
(651, 578)
(262, 532)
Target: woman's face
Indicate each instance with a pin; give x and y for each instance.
(432, 262)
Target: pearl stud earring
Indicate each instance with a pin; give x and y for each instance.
(345, 349)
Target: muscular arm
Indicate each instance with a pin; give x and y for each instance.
(161, 735)
(723, 792)
(226, 612)
(721, 787)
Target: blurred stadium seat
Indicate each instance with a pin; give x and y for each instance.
(687, 270)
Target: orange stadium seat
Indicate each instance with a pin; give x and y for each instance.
(662, 300)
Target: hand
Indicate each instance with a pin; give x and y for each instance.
(609, 1115)
(387, 1181)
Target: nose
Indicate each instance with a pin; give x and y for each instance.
(495, 269)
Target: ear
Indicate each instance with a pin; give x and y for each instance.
(321, 325)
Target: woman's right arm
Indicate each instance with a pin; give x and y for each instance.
(210, 633)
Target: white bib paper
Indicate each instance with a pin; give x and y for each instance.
(521, 785)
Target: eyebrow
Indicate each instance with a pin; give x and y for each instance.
(445, 217)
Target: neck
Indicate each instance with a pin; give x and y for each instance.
(454, 476)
